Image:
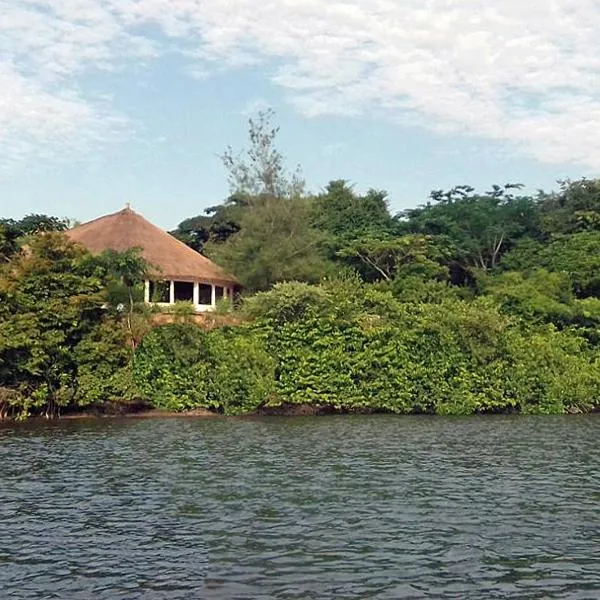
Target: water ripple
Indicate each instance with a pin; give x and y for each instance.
(372, 507)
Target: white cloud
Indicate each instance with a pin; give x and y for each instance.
(37, 123)
(526, 74)
(44, 46)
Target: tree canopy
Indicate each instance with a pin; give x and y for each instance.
(470, 302)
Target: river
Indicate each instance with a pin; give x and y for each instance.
(366, 507)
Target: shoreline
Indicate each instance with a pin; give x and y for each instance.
(137, 412)
(144, 414)
(284, 410)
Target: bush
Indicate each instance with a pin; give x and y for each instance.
(182, 367)
(104, 371)
(243, 376)
(451, 357)
(171, 367)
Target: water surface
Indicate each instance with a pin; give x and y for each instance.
(367, 507)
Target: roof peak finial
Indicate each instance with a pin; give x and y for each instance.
(127, 205)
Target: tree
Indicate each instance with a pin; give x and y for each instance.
(12, 233)
(9, 236)
(128, 268)
(577, 255)
(260, 170)
(37, 223)
(256, 176)
(59, 345)
(390, 257)
(126, 272)
(346, 215)
(482, 227)
(264, 232)
(276, 242)
(574, 208)
(538, 296)
(50, 299)
(217, 225)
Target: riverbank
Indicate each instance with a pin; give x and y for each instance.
(144, 414)
(342, 342)
(138, 411)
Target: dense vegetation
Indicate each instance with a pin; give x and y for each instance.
(471, 302)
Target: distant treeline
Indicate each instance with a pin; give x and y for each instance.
(471, 302)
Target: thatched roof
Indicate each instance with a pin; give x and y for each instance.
(171, 258)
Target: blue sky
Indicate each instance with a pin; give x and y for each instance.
(104, 102)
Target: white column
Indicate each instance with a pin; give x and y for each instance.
(172, 292)
(196, 293)
(225, 290)
(213, 296)
(147, 292)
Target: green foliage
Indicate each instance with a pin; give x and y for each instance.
(125, 273)
(182, 311)
(259, 172)
(9, 245)
(551, 372)
(13, 233)
(59, 349)
(345, 215)
(452, 357)
(481, 227)
(472, 303)
(243, 378)
(51, 298)
(263, 232)
(13, 404)
(413, 289)
(129, 266)
(287, 302)
(256, 176)
(574, 208)
(172, 367)
(576, 255)
(36, 223)
(540, 296)
(276, 242)
(104, 372)
(216, 226)
(391, 257)
(520, 333)
(120, 295)
(182, 367)
(224, 306)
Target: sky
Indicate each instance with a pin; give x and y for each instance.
(104, 102)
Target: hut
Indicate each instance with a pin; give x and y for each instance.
(178, 273)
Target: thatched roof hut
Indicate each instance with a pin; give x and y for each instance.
(179, 273)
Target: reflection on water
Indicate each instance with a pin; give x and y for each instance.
(331, 507)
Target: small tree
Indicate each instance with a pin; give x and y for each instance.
(128, 271)
(260, 171)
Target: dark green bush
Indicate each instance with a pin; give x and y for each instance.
(182, 367)
(451, 357)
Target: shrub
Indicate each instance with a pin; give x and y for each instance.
(181, 367)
